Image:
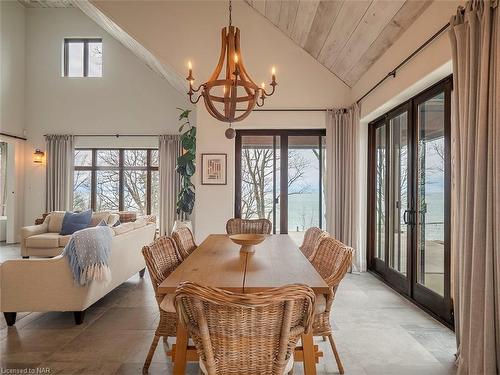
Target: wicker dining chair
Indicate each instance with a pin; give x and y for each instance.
(332, 261)
(184, 240)
(312, 239)
(161, 259)
(245, 333)
(248, 226)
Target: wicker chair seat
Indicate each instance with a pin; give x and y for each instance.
(167, 304)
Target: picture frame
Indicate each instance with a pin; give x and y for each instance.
(213, 169)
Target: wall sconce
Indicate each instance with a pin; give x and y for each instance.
(38, 156)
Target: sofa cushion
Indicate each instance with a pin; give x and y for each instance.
(63, 240)
(123, 228)
(139, 223)
(73, 222)
(43, 241)
(55, 221)
(97, 217)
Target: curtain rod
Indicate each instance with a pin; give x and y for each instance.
(393, 72)
(12, 136)
(113, 135)
(286, 110)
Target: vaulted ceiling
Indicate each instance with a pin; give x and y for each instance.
(46, 3)
(345, 36)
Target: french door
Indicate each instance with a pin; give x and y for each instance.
(279, 176)
(409, 195)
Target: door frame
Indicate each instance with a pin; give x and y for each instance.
(283, 134)
(438, 306)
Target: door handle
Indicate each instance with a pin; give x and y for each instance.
(405, 219)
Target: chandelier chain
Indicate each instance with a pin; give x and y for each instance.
(230, 11)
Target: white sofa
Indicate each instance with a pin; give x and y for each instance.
(44, 240)
(47, 284)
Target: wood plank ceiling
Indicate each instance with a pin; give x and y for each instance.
(345, 36)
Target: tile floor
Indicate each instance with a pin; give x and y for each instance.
(376, 330)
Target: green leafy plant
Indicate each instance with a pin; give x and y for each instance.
(186, 164)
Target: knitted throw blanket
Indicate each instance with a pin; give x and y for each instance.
(88, 253)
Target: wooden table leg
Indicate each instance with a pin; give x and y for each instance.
(180, 350)
(309, 357)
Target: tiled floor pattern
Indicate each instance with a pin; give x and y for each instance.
(376, 330)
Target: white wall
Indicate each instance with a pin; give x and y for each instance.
(177, 31)
(12, 101)
(129, 98)
(12, 67)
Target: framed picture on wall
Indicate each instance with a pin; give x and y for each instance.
(213, 169)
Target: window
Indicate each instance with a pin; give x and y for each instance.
(279, 176)
(116, 180)
(82, 57)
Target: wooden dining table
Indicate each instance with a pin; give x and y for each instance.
(218, 262)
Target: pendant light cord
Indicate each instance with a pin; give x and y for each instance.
(230, 10)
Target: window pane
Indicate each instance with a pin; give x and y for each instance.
(108, 158)
(380, 192)
(134, 195)
(81, 190)
(107, 190)
(431, 194)
(398, 192)
(303, 185)
(154, 158)
(155, 195)
(135, 158)
(83, 158)
(95, 60)
(75, 59)
(257, 182)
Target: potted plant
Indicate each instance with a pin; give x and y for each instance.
(186, 166)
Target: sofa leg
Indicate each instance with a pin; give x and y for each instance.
(142, 272)
(79, 316)
(10, 318)
(26, 257)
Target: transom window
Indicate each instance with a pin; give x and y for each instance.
(82, 57)
(116, 180)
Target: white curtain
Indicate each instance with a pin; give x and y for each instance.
(342, 190)
(169, 149)
(475, 41)
(59, 172)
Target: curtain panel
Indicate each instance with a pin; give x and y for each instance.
(474, 36)
(169, 150)
(3, 178)
(342, 190)
(59, 172)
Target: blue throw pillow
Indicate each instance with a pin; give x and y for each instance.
(117, 223)
(73, 222)
(102, 224)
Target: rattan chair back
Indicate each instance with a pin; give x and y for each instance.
(248, 226)
(245, 333)
(184, 240)
(332, 260)
(312, 239)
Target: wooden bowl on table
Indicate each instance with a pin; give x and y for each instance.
(247, 241)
